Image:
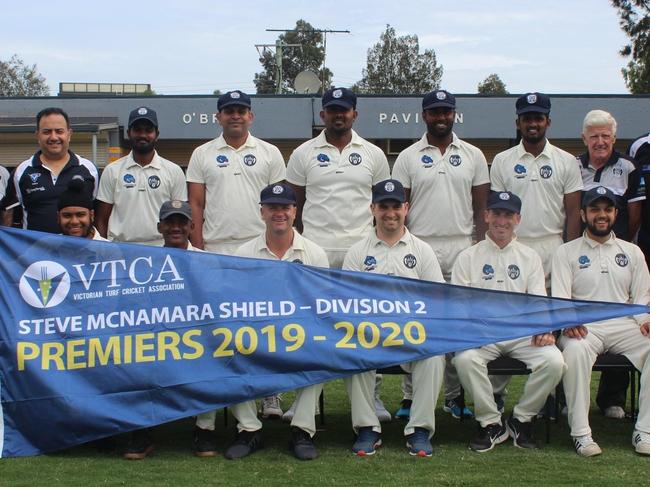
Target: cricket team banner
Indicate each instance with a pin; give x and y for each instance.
(100, 338)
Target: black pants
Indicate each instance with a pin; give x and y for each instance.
(612, 389)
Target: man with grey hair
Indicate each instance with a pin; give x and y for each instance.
(602, 165)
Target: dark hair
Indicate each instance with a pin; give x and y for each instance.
(52, 111)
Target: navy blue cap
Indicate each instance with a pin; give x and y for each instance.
(599, 192)
(143, 113)
(175, 207)
(342, 97)
(278, 194)
(390, 189)
(504, 200)
(533, 102)
(438, 98)
(235, 97)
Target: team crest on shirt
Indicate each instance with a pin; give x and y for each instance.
(297, 261)
(222, 161)
(583, 262)
(410, 261)
(129, 180)
(488, 272)
(455, 160)
(250, 159)
(621, 260)
(355, 159)
(153, 182)
(513, 271)
(369, 263)
(34, 177)
(520, 171)
(545, 172)
(323, 160)
(617, 171)
(427, 161)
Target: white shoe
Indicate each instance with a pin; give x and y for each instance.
(586, 446)
(641, 442)
(382, 414)
(614, 412)
(271, 407)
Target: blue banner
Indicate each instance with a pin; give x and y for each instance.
(102, 338)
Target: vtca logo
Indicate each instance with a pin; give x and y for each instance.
(44, 284)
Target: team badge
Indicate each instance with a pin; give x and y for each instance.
(504, 196)
(426, 160)
(601, 190)
(441, 95)
(455, 160)
(546, 172)
(142, 111)
(621, 260)
(531, 99)
(488, 272)
(410, 261)
(337, 93)
(369, 263)
(323, 160)
(297, 261)
(129, 180)
(222, 160)
(389, 187)
(355, 159)
(250, 159)
(44, 284)
(154, 182)
(513, 271)
(583, 262)
(34, 177)
(277, 189)
(617, 171)
(520, 171)
(177, 204)
(235, 95)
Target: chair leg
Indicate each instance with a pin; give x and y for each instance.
(225, 417)
(321, 406)
(633, 377)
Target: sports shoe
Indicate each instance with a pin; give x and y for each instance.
(418, 443)
(287, 417)
(204, 443)
(451, 406)
(586, 446)
(302, 445)
(641, 442)
(614, 412)
(500, 402)
(493, 434)
(271, 407)
(140, 445)
(404, 411)
(382, 414)
(521, 433)
(246, 442)
(367, 441)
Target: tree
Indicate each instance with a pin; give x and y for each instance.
(217, 92)
(18, 79)
(294, 59)
(492, 85)
(395, 66)
(635, 21)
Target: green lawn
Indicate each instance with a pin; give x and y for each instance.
(452, 462)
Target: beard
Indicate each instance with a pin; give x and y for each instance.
(143, 148)
(600, 233)
(439, 133)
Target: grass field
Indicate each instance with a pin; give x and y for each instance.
(452, 463)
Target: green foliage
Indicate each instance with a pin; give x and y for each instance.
(396, 66)
(492, 85)
(19, 79)
(635, 21)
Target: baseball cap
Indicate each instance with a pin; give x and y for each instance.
(278, 193)
(438, 98)
(342, 97)
(175, 207)
(235, 97)
(504, 200)
(533, 102)
(76, 194)
(597, 193)
(390, 189)
(143, 113)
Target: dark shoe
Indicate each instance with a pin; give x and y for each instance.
(521, 433)
(488, 437)
(246, 442)
(204, 443)
(451, 406)
(140, 446)
(498, 399)
(302, 445)
(418, 443)
(367, 441)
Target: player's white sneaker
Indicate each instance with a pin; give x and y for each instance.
(641, 442)
(271, 407)
(586, 446)
(614, 412)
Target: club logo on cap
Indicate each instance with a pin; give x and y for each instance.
(410, 261)
(504, 196)
(513, 272)
(337, 93)
(546, 172)
(355, 159)
(277, 189)
(601, 190)
(389, 187)
(455, 160)
(142, 111)
(44, 284)
(176, 204)
(250, 159)
(621, 260)
(532, 98)
(235, 95)
(154, 182)
(441, 95)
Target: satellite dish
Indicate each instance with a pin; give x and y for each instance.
(307, 82)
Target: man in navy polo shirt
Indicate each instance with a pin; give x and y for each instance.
(40, 180)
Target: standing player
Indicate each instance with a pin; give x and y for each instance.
(133, 188)
(500, 262)
(599, 266)
(443, 175)
(391, 249)
(639, 150)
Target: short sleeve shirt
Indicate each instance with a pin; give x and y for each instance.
(302, 251)
(233, 180)
(137, 193)
(541, 182)
(409, 257)
(441, 186)
(338, 188)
